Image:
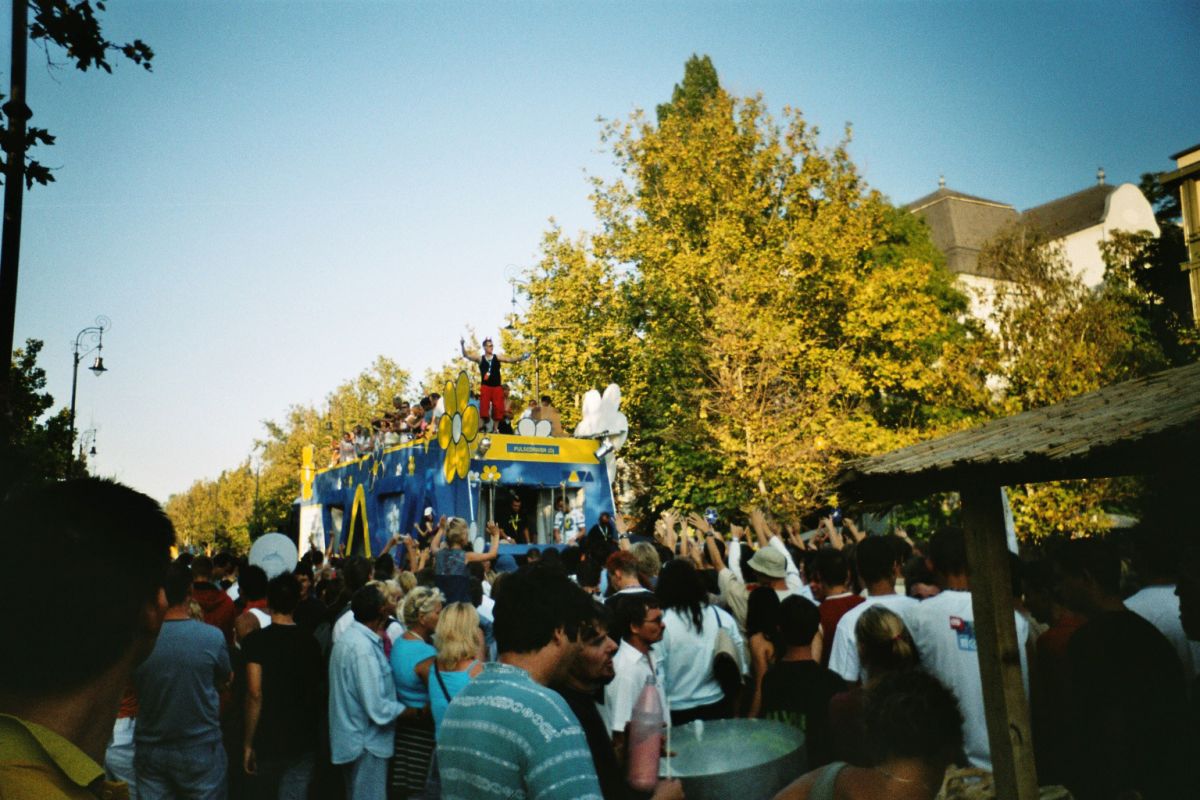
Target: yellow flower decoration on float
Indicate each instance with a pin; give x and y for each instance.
(457, 427)
(491, 474)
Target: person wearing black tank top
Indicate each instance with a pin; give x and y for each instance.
(491, 386)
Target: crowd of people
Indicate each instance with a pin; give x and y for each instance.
(409, 421)
(441, 671)
(404, 423)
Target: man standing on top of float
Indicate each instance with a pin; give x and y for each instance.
(491, 391)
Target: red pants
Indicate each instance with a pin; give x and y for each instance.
(491, 402)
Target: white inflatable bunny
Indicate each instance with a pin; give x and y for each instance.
(603, 420)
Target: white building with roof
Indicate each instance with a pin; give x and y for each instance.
(961, 224)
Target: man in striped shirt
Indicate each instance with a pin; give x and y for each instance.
(506, 735)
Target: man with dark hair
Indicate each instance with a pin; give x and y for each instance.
(178, 746)
(218, 608)
(310, 612)
(943, 628)
(589, 674)
(602, 538)
(384, 567)
(548, 412)
(1128, 694)
(1050, 704)
(283, 689)
(492, 406)
(796, 689)
(59, 693)
(225, 573)
(516, 523)
(362, 699)
(637, 620)
(878, 567)
(506, 734)
(831, 587)
(587, 575)
(357, 573)
(253, 602)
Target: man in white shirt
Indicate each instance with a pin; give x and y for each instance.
(560, 521)
(1156, 602)
(637, 618)
(943, 628)
(362, 699)
(878, 569)
(568, 525)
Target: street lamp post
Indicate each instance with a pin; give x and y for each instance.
(511, 327)
(92, 333)
(87, 443)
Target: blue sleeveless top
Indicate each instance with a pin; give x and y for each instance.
(441, 693)
(406, 654)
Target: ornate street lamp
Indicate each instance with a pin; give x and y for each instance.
(87, 441)
(92, 333)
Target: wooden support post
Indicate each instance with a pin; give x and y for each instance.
(1004, 699)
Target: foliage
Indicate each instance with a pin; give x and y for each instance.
(766, 314)
(1165, 201)
(257, 495)
(700, 84)
(35, 445)
(219, 512)
(576, 327)
(922, 517)
(1057, 338)
(71, 25)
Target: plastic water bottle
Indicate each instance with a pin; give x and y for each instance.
(645, 738)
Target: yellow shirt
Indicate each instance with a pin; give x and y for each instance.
(35, 762)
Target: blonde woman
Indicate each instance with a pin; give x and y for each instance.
(459, 643)
(884, 646)
(648, 563)
(407, 581)
(412, 656)
(392, 628)
(450, 562)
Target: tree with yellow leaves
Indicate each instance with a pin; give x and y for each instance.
(766, 314)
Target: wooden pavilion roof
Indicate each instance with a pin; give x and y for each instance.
(1140, 426)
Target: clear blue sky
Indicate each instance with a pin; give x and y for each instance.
(301, 186)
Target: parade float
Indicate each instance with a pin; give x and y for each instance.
(357, 506)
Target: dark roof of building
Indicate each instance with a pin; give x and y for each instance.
(1072, 213)
(1147, 425)
(960, 224)
(943, 193)
(1185, 151)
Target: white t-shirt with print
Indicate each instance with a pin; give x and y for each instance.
(943, 628)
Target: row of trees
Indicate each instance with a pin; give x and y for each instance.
(256, 496)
